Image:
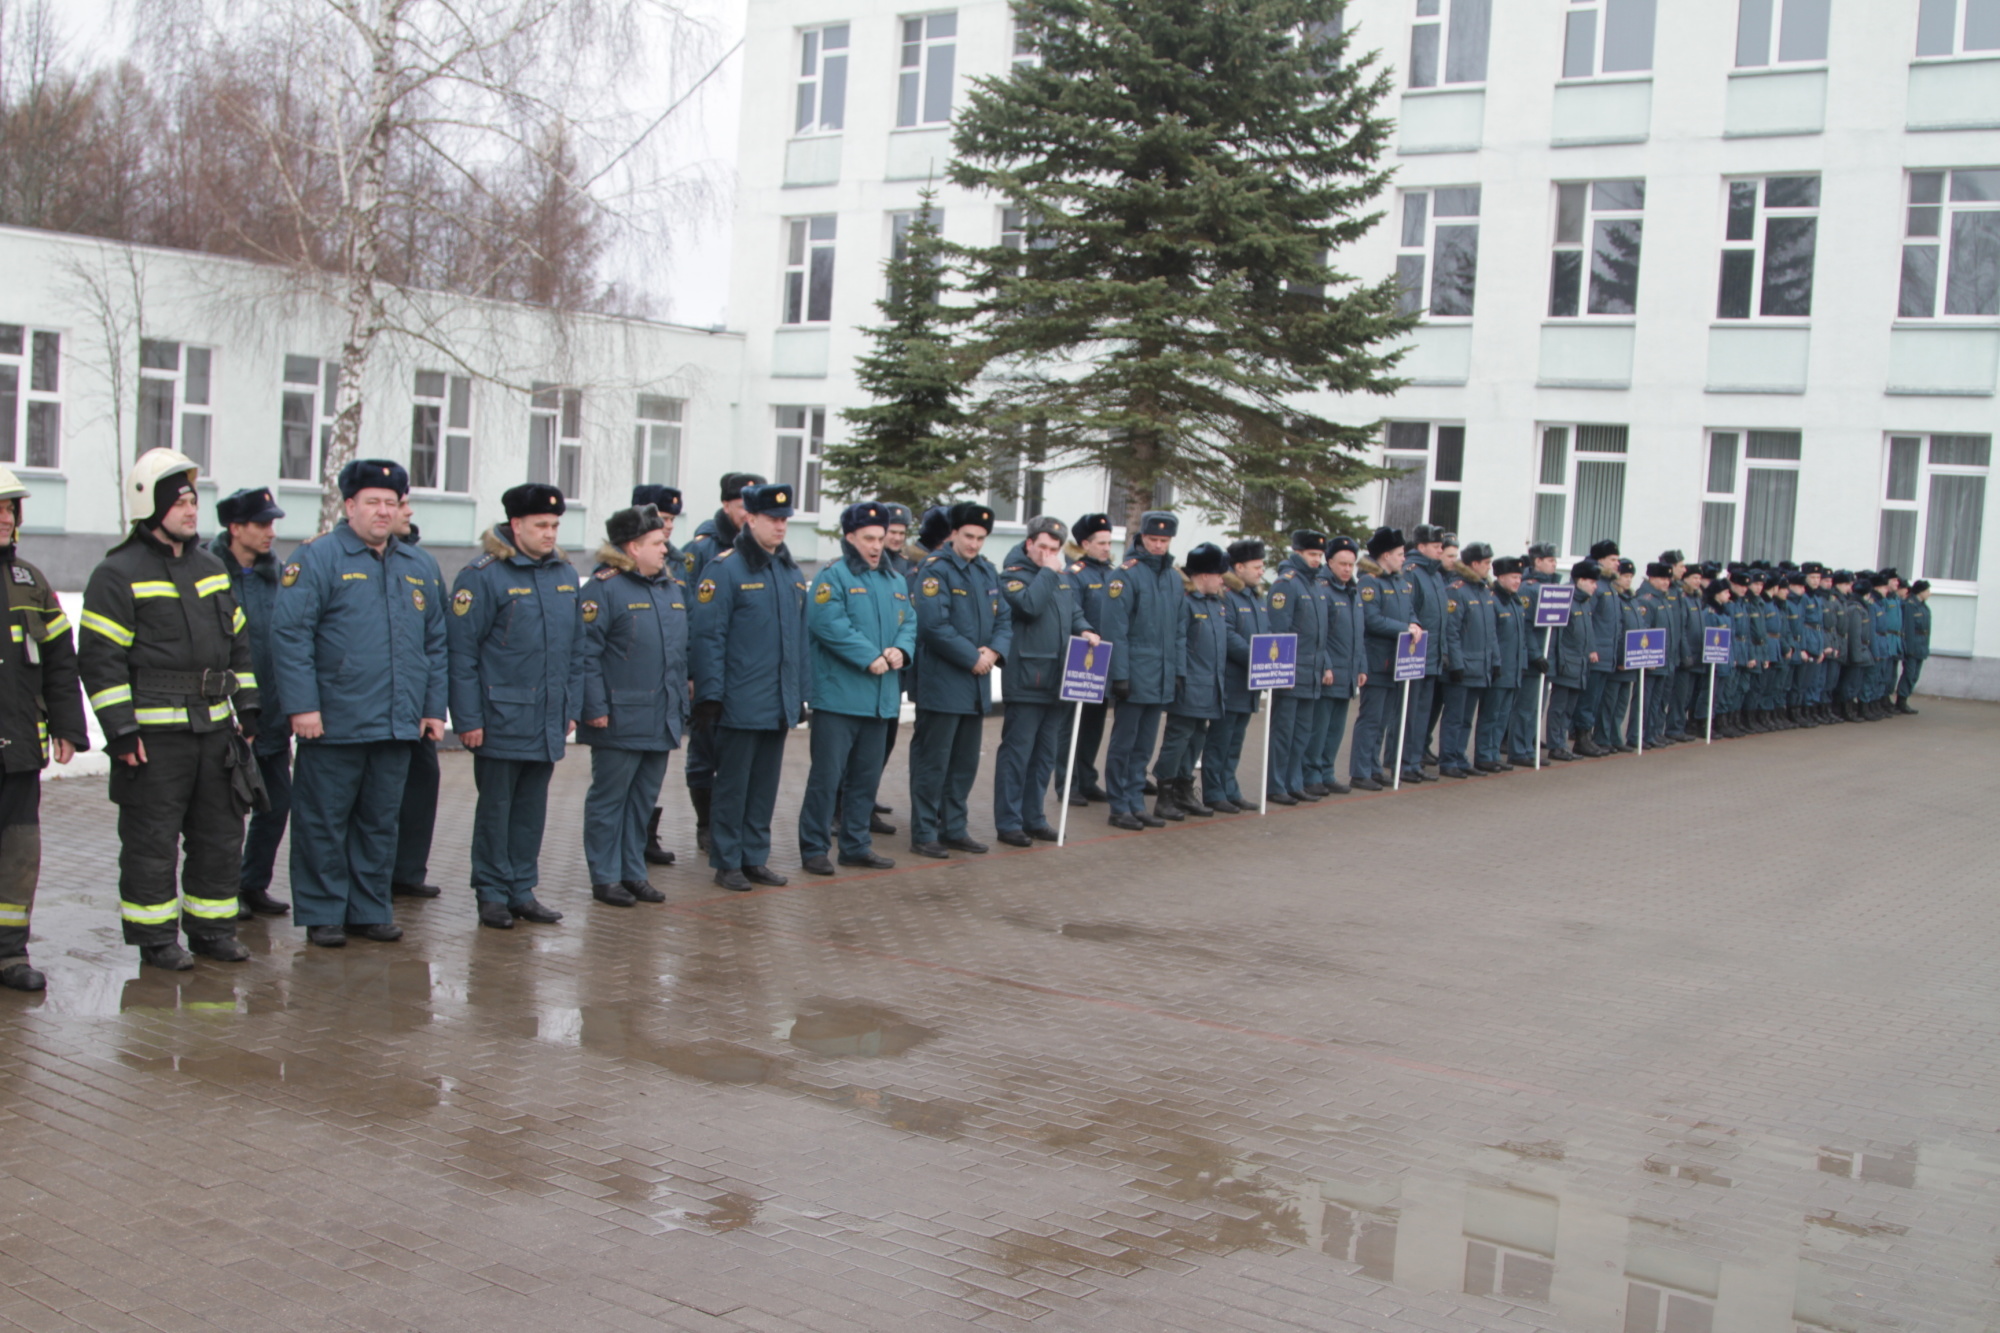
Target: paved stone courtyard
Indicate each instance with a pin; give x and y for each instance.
(1704, 1040)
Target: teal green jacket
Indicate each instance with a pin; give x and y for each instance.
(852, 615)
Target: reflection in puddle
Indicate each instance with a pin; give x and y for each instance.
(1103, 932)
(614, 1030)
(842, 1028)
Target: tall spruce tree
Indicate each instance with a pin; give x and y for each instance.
(910, 445)
(1183, 171)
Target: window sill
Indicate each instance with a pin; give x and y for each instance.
(1763, 322)
(817, 138)
(1978, 323)
(457, 497)
(1770, 71)
(1963, 58)
(1594, 80)
(1591, 322)
(1446, 89)
(930, 128)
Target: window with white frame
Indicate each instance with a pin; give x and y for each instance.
(1770, 233)
(305, 416)
(1752, 476)
(30, 396)
(1598, 227)
(441, 433)
(1502, 1270)
(923, 80)
(555, 437)
(1448, 42)
(801, 446)
(1957, 27)
(176, 398)
(1798, 28)
(1580, 486)
(1650, 1308)
(656, 441)
(1430, 463)
(899, 234)
(1440, 235)
(821, 102)
(809, 269)
(1933, 502)
(1607, 37)
(1951, 243)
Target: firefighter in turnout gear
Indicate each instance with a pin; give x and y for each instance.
(41, 715)
(166, 662)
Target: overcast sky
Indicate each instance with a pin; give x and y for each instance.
(694, 289)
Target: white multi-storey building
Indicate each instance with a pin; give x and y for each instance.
(1722, 275)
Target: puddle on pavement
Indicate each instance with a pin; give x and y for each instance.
(619, 1031)
(727, 1212)
(850, 1028)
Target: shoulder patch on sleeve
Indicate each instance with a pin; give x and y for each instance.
(1117, 587)
(1367, 594)
(291, 574)
(1277, 601)
(823, 594)
(705, 593)
(21, 575)
(1015, 585)
(930, 586)
(589, 611)
(461, 601)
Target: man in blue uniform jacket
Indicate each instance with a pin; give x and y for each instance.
(1247, 617)
(1298, 604)
(358, 645)
(750, 677)
(964, 630)
(712, 537)
(416, 825)
(1198, 690)
(1046, 608)
(516, 690)
(1142, 604)
(243, 546)
(667, 503)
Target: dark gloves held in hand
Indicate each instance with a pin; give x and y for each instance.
(1121, 688)
(708, 712)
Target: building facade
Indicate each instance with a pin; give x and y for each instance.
(1722, 276)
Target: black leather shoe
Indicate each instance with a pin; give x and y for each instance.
(877, 824)
(327, 937)
(1454, 771)
(1903, 707)
(1125, 821)
(19, 976)
(1306, 797)
(1339, 789)
(495, 915)
(868, 862)
(1416, 775)
(816, 865)
(1149, 821)
(612, 895)
(1043, 833)
(263, 904)
(882, 809)
(643, 892)
(657, 855)
(1222, 805)
(222, 948)
(1283, 798)
(382, 932)
(1561, 756)
(733, 881)
(764, 875)
(1521, 760)
(413, 890)
(1094, 792)
(1317, 789)
(533, 910)
(1364, 784)
(243, 912)
(174, 958)
(1490, 766)
(1014, 838)
(1164, 809)
(1078, 798)
(934, 850)
(965, 845)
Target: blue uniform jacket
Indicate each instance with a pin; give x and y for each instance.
(1427, 576)
(748, 643)
(1714, 619)
(1298, 604)
(1606, 621)
(634, 650)
(256, 592)
(1916, 629)
(1346, 637)
(1091, 576)
(959, 611)
(1142, 600)
(1388, 608)
(857, 613)
(1511, 637)
(1660, 614)
(1045, 609)
(516, 667)
(1247, 616)
(360, 639)
(1570, 647)
(712, 536)
(1470, 634)
(1205, 656)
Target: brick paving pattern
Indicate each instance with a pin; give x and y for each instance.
(1703, 1040)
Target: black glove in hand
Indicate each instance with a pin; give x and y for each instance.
(1539, 665)
(708, 712)
(1121, 689)
(1456, 675)
(120, 746)
(246, 722)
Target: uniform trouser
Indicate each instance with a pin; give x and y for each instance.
(1521, 724)
(944, 760)
(1613, 705)
(1134, 729)
(1854, 681)
(267, 827)
(20, 859)
(345, 803)
(1913, 667)
(1590, 698)
(507, 826)
(847, 757)
(1089, 739)
(748, 765)
(1682, 699)
(1694, 713)
(1496, 715)
(1029, 736)
(1291, 732)
(623, 786)
(1561, 715)
(178, 800)
(1658, 690)
(1221, 755)
(1319, 752)
(1364, 758)
(1421, 694)
(1186, 740)
(1461, 705)
(701, 747)
(417, 822)
(1430, 721)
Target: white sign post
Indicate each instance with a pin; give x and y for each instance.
(1408, 665)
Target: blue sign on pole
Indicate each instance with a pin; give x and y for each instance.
(1553, 603)
(1715, 647)
(1274, 661)
(1645, 648)
(1409, 658)
(1086, 672)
